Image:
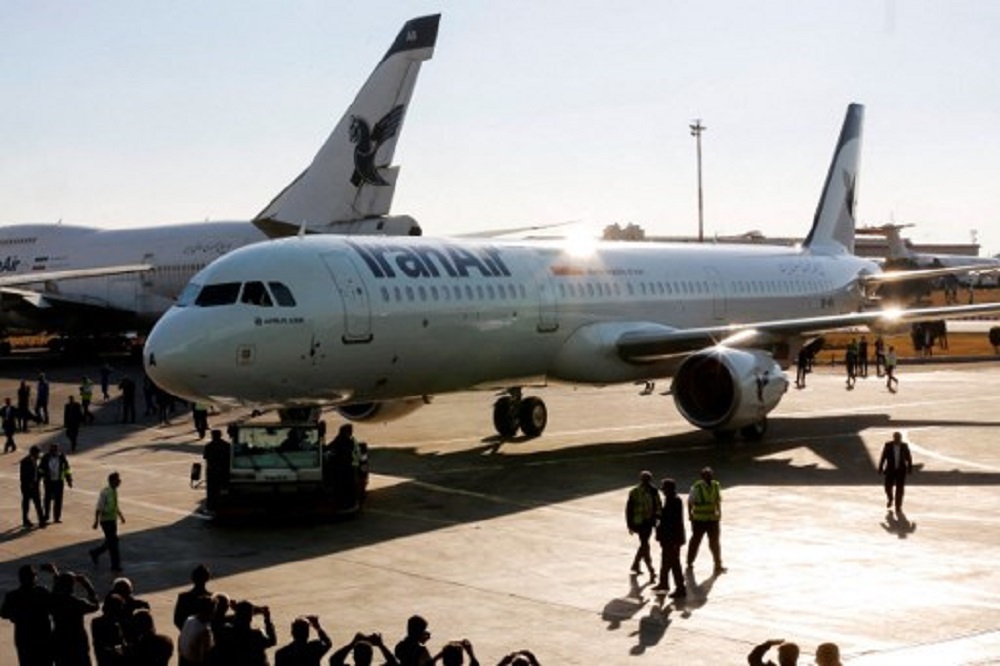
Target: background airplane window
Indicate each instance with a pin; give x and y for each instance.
(283, 295)
(218, 294)
(385, 293)
(422, 291)
(254, 293)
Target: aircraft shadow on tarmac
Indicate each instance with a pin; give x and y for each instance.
(444, 490)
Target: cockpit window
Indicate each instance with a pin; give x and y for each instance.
(188, 295)
(255, 293)
(218, 294)
(282, 294)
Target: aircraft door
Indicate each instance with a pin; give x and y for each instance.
(548, 319)
(354, 296)
(718, 291)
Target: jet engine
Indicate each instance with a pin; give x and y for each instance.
(724, 390)
(382, 411)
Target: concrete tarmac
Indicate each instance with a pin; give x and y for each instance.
(522, 544)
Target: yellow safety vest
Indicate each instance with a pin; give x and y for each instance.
(109, 504)
(645, 504)
(706, 500)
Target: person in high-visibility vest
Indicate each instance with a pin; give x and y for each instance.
(705, 512)
(107, 514)
(641, 511)
(86, 395)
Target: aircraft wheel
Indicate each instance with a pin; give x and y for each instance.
(505, 417)
(755, 430)
(534, 416)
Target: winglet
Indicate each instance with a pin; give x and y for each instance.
(833, 225)
(351, 177)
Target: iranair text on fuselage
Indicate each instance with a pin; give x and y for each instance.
(389, 260)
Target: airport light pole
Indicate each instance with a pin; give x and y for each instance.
(696, 129)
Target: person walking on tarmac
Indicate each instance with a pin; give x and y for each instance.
(8, 421)
(670, 534)
(641, 511)
(56, 475)
(107, 514)
(705, 511)
(72, 420)
(86, 395)
(896, 462)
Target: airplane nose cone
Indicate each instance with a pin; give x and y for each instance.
(170, 358)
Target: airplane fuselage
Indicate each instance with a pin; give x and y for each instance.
(379, 319)
(125, 301)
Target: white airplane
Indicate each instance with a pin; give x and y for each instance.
(84, 280)
(900, 255)
(376, 326)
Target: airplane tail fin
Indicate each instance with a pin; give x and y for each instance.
(897, 247)
(350, 179)
(833, 225)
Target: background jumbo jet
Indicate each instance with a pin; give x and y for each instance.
(376, 326)
(901, 255)
(82, 280)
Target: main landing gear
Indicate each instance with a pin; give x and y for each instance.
(751, 432)
(512, 412)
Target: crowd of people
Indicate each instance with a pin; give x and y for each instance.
(212, 629)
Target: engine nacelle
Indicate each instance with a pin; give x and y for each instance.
(725, 389)
(382, 411)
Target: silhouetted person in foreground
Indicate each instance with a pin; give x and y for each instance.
(69, 635)
(27, 607)
(187, 601)
(788, 653)
(411, 651)
(362, 650)
(302, 651)
(828, 654)
(149, 648)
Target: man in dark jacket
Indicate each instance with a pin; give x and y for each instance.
(29, 488)
(28, 608)
(72, 420)
(56, 475)
(895, 464)
(671, 535)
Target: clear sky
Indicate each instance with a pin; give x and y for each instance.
(140, 113)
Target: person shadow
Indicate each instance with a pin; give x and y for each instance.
(898, 524)
(652, 627)
(620, 609)
(697, 593)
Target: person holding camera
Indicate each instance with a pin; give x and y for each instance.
(302, 651)
(249, 645)
(362, 650)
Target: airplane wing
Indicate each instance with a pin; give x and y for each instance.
(71, 274)
(885, 277)
(654, 342)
